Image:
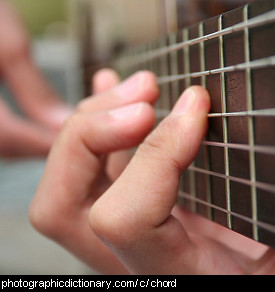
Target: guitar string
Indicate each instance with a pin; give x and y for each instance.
(144, 57)
(127, 60)
(248, 65)
(251, 147)
(266, 226)
(261, 185)
(269, 150)
(269, 112)
(256, 64)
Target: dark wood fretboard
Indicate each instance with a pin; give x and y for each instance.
(232, 179)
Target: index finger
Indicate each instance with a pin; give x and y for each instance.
(134, 215)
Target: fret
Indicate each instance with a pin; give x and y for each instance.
(261, 46)
(203, 181)
(265, 226)
(231, 181)
(215, 132)
(165, 103)
(197, 62)
(210, 61)
(186, 51)
(258, 21)
(252, 162)
(174, 71)
(150, 65)
(187, 178)
(238, 125)
(169, 70)
(156, 69)
(202, 55)
(225, 125)
(187, 70)
(180, 64)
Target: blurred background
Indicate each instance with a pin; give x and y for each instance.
(56, 51)
(70, 40)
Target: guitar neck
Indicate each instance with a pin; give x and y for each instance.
(232, 179)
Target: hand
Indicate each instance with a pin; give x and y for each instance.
(45, 110)
(132, 225)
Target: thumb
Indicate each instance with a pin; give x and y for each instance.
(143, 197)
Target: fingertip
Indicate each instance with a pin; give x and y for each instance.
(104, 80)
(203, 95)
(58, 115)
(194, 99)
(150, 85)
(140, 86)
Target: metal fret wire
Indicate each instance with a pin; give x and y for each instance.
(174, 70)
(187, 67)
(205, 149)
(263, 225)
(165, 89)
(250, 113)
(128, 61)
(252, 162)
(224, 125)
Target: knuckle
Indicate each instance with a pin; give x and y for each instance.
(43, 220)
(112, 228)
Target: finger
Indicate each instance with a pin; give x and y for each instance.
(35, 96)
(139, 204)
(19, 137)
(26, 140)
(74, 175)
(142, 86)
(13, 32)
(83, 141)
(104, 80)
(33, 93)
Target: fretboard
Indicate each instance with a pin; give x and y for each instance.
(232, 179)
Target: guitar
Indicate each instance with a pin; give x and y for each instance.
(232, 179)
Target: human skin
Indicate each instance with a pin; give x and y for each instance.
(122, 219)
(43, 109)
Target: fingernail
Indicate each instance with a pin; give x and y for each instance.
(185, 102)
(128, 87)
(126, 112)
